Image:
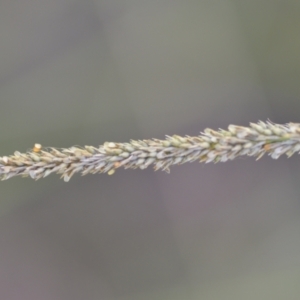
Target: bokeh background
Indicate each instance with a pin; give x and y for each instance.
(84, 72)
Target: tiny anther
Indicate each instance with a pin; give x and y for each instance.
(37, 148)
(111, 172)
(267, 147)
(117, 164)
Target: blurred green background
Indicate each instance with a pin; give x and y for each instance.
(85, 72)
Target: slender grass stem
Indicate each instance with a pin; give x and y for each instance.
(210, 146)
